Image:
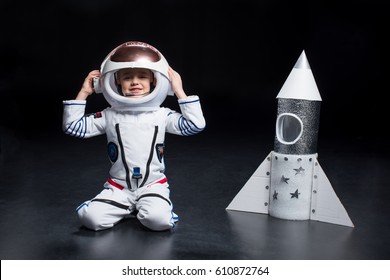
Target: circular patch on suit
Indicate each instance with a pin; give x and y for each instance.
(112, 150)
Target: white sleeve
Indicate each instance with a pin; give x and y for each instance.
(76, 123)
(191, 120)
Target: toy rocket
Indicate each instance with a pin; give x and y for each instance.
(290, 183)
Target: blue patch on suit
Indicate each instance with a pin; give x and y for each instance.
(112, 150)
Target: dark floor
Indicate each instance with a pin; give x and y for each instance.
(47, 177)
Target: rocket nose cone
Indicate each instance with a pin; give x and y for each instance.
(300, 84)
(302, 62)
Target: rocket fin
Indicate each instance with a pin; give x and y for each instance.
(254, 195)
(325, 205)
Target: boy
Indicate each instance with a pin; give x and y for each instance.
(135, 79)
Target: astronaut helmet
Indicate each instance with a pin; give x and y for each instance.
(134, 54)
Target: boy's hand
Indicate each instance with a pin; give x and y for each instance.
(87, 88)
(176, 82)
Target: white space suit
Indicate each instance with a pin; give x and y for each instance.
(135, 145)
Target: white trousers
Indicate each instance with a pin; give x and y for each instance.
(114, 204)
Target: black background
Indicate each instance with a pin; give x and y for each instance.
(235, 55)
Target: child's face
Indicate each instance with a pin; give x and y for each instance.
(135, 82)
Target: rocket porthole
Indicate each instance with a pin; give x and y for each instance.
(289, 128)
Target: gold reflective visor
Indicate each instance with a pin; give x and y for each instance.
(135, 53)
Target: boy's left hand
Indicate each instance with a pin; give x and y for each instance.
(177, 84)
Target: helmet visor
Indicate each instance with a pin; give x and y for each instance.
(135, 54)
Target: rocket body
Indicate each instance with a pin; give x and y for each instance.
(291, 181)
(297, 126)
(295, 146)
(290, 184)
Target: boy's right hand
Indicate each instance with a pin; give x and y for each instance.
(87, 88)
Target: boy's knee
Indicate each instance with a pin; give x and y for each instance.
(155, 219)
(91, 219)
